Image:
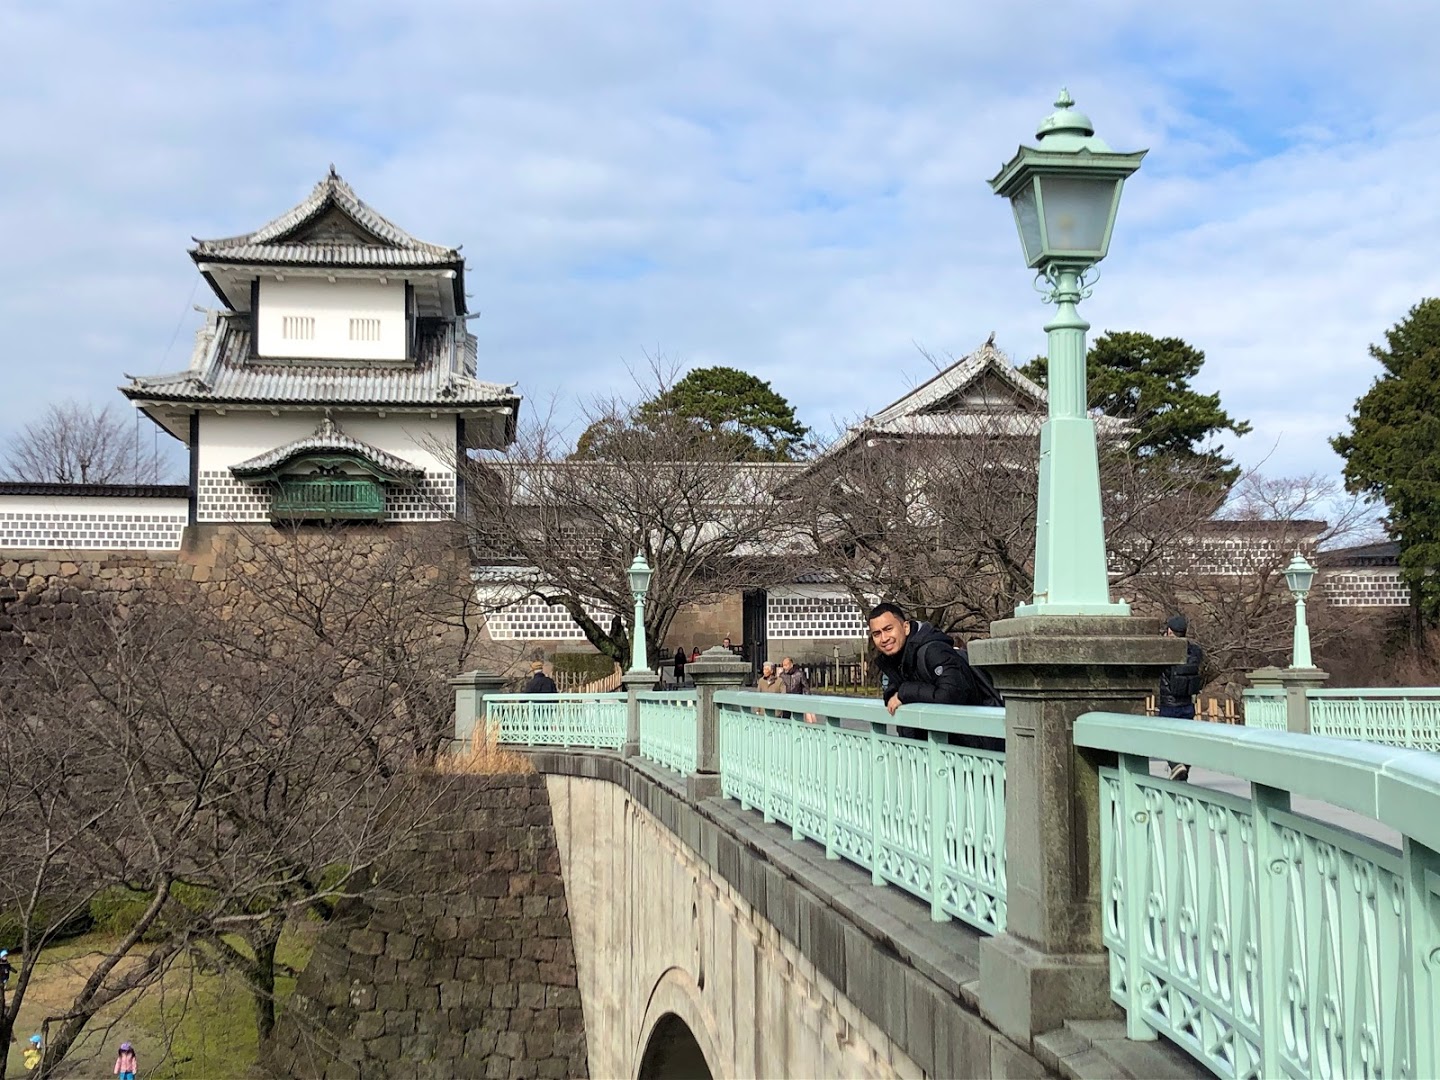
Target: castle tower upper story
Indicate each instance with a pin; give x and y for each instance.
(339, 365)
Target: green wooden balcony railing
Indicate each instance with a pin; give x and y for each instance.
(1263, 941)
(326, 497)
(1405, 716)
(668, 729)
(921, 814)
(580, 720)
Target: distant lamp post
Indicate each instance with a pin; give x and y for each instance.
(639, 573)
(1298, 576)
(1065, 193)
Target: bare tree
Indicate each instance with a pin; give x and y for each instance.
(1226, 572)
(564, 530)
(74, 443)
(944, 523)
(225, 758)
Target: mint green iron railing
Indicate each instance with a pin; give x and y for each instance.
(668, 728)
(921, 814)
(1407, 716)
(1265, 709)
(1264, 942)
(591, 720)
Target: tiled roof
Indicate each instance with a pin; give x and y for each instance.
(222, 370)
(93, 491)
(1381, 553)
(359, 237)
(328, 439)
(938, 408)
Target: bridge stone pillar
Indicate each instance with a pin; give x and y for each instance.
(635, 682)
(1295, 682)
(717, 669)
(470, 690)
(1050, 965)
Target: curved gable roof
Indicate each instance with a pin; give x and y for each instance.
(331, 227)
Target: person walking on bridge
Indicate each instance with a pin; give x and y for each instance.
(539, 682)
(918, 663)
(1180, 683)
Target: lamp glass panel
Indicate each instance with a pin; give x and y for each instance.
(1299, 580)
(639, 582)
(1027, 216)
(1077, 212)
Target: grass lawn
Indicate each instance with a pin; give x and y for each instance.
(194, 1024)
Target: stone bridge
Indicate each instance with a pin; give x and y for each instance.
(711, 944)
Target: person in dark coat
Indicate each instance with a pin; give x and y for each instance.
(919, 663)
(539, 682)
(1180, 683)
(679, 666)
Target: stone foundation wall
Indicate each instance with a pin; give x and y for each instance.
(461, 964)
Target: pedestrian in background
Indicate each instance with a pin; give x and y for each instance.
(539, 682)
(125, 1063)
(1180, 683)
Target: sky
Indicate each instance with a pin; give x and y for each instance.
(796, 188)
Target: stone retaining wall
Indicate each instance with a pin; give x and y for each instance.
(461, 964)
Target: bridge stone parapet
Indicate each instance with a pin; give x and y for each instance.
(693, 913)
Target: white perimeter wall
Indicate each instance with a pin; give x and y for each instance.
(85, 523)
(332, 305)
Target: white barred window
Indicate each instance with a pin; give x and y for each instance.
(298, 327)
(364, 329)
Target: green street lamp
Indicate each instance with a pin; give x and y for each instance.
(1065, 193)
(1298, 577)
(639, 573)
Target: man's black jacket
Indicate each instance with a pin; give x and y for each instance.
(540, 683)
(1180, 683)
(930, 668)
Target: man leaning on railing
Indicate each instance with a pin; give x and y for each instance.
(919, 663)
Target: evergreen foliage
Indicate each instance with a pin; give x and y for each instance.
(733, 409)
(1147, 381)
(1392, 451)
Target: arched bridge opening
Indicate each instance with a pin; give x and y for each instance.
(673, 1053)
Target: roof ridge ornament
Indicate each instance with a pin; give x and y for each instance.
(327, 427)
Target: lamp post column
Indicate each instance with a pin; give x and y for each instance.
(1070, 566)
(639, 677)
(1300, 646)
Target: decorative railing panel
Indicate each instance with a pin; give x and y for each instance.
(590, 720)
(1407, 717)
(1265, 710)
(667, 729)
(925, 815)
(1264, 942)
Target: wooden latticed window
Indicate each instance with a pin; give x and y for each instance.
(328, 498)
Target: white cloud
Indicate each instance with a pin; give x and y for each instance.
(796, 189)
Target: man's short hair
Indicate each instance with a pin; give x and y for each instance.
(1178, 625)
(887, 608)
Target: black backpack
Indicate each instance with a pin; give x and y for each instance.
(984, 686)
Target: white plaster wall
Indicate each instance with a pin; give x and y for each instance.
(230, 439)
(658, 931)
(332, 305)
(89, 506)
(36, 522)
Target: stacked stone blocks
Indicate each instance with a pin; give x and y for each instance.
(459, 964)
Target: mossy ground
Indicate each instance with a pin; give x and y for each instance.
(196, 1024)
